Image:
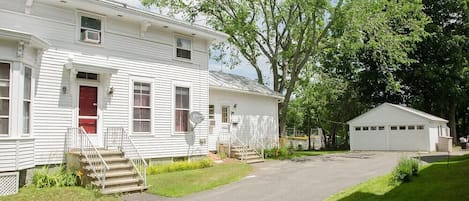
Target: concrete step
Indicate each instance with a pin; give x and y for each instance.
(250, 157)
(108, 159)
(116, 173)
(118, 181)
(260, 160)
(116, 166)
(245, 153)
(105, 152)
(242, 150)
(123, 189)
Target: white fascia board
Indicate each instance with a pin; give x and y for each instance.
(280, 98)
(27, 38)
(183, 26)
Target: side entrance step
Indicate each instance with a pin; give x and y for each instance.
(246, 154)
(120, 178)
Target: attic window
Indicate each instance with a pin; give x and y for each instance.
(183, 48)
(90, 29)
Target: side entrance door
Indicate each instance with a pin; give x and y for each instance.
(88, 113)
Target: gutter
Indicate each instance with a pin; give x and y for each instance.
(280, 98)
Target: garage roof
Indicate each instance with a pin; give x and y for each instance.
(237, 83)
(406, 109)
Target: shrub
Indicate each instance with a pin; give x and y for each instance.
(44, 178)
(279, 153)
(222, 155)
(179, 166)
(300, 147)
(405, 169)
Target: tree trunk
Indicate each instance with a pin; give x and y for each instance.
(282, 117)
(452, 121)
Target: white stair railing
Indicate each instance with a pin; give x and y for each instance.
(235, 140)
(77, 140)
(118, 138)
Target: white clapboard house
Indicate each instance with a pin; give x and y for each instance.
(101, 79)
(242, 112)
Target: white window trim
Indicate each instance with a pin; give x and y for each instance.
(132, 80)
(173, 105)
(10, 102)
(78, 15)
(175, 37)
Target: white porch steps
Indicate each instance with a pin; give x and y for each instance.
(120, 177)
(246, 154)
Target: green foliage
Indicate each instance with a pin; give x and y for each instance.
(44, 178)
(179, 166)
(405, 169)
(281, 153)
(222, 155)
(70, 193)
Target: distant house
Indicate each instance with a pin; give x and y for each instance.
(243, 108)
(396, 127)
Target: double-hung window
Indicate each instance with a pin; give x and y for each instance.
(183, 48)
(4, 98)
(90, 29)
(182, 109)
(142, 107)
(27, 101)
(225, 114)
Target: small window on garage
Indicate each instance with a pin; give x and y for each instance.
(410, 127)
(402, 127)
(373, 128)
(393, 128)
(380, 128)
(358, 128)
(365, 128)
(420, 127)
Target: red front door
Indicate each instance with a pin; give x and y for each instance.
(88, 109)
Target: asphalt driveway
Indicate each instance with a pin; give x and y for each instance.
(308, 178)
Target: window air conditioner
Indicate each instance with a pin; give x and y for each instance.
(91, 36)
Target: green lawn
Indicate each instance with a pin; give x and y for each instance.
(436, 182)
(57, 194)
(176, 184)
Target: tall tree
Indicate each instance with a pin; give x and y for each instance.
(439, 81)
(293, 34)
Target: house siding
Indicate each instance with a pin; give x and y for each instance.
(134, 56)
(256, 115)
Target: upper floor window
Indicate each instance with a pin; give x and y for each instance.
(4, 98)
(183, 48)
(182, 109)
(90, 29)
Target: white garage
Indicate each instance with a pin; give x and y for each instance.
(396, 127)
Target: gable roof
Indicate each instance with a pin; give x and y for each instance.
(237, 83)
(406, 109)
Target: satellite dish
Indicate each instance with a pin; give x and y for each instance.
(196, 117)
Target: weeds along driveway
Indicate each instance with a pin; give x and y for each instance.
(309, 178)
